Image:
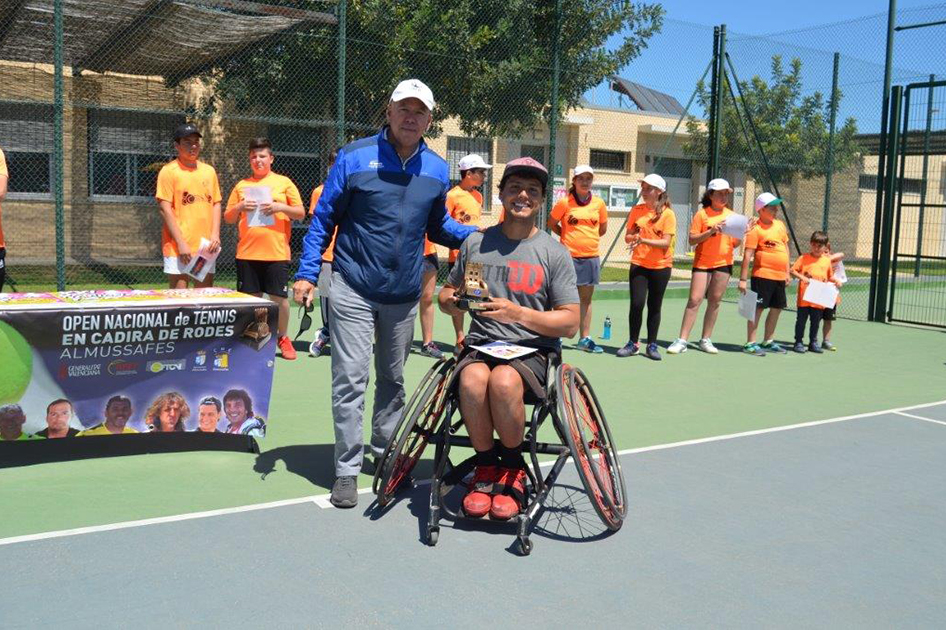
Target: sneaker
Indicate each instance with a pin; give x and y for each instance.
(507, 503)
(317, 347)
(815, 347)
(630, 349)
(588, 345)
(799, 347)
(827, 345)
(345, 492)
(707, 346)
(653, 352)
(754, 349)
(677, 347)
(285, 347)
(772, 346)
(479, 500)
(431, 350)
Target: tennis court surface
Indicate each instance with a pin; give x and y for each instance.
(784, 490)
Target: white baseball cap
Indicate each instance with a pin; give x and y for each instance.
(581, 169)
(413, 88)
(656, 181)
(472, 160)
(766, 199)
(719, 184)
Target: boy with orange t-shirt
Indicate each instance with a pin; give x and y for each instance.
(188, 195)
(4, 178)
(767, 248)
(814, 265)
(262, 255)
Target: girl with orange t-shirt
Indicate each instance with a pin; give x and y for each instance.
(712, 264)
(581, 219)
(650, 230)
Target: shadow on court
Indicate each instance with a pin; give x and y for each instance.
(313, 462)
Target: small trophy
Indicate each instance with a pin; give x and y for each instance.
(474, 293)
(257, 333)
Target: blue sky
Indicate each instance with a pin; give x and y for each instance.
(811, 30)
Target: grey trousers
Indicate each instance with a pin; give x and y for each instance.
(355, 323)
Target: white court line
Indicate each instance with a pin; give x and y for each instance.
(915, 417)
(322, 501)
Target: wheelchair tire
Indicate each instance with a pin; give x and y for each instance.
(592, 448)
(416, 428)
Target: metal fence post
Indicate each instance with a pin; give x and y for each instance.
(829, 168)
(58, 152)
(720, 80)
(342, 46)
(714, 105)
(890, 188)
(553, 113)
(926, 171)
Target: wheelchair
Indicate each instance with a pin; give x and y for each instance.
(578, 421)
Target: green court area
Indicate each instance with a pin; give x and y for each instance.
(683, 397)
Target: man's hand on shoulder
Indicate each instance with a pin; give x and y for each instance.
(502, 310)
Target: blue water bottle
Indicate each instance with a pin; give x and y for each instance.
(607, 328)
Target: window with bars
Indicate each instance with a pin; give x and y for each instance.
(608, 160)
(26, 137)
(126, 152)
(457, 147)
(911, 186)
(534, 151)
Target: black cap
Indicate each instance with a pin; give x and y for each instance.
(185, 130)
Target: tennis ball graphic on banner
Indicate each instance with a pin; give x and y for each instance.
(16, 364)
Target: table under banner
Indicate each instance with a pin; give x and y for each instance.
(88, 364)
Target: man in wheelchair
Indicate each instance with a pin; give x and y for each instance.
(533, 303)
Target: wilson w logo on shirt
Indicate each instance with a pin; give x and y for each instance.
(524, 277)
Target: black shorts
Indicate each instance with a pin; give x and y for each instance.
(3, 266)
(726, 269)
(771, 293)
(263, 276)
(430, 264)
(533, 369)
(829, 314)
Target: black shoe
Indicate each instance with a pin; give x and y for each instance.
(652, 352)
(345, 492)
(815, 347)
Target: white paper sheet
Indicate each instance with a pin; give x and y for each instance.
(199, 264)
(504, 350)
(261, 195)
(821, 293)
(839, 274)
(735, 225)
(747, 304)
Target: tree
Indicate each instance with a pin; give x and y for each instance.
(792, 129)
(488, 62)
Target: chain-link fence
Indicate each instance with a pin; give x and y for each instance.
(633, 98)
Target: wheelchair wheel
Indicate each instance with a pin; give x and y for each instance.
(415, 429)
(588, 437)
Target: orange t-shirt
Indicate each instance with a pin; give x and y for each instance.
(429, 247)
(771, 250)
(329, 254)
(192, 193)
(816, 268)
(715, 251)
(645, 222)
(5, 172)
(272, 241)
(465, 207)
(580, 224)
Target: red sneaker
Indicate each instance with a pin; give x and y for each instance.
(511, 496)
(477, 502)
(285, 347)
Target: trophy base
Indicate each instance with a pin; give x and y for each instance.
(472, 304)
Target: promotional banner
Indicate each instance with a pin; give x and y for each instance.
(87, 363)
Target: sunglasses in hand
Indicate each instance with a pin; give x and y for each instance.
(305, 319)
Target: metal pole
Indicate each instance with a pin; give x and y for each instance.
(890, 186)
(720, 80)
(58, 152)
(553, 113)
(926, 171)
(829, 169)
(710, 167)
(342, 45)
(881, 159)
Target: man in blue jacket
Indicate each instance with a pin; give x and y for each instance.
(384, 193)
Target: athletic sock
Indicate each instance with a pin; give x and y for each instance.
(511, 457)
(487, 458)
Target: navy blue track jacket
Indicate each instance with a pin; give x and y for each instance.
(383, 209)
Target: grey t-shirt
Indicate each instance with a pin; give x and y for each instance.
(536, 272)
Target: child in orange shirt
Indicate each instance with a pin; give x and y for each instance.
(814, 265)
(767, 248)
